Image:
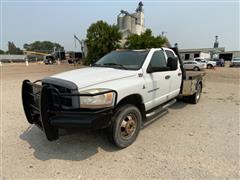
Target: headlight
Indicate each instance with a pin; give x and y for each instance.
(100, 101)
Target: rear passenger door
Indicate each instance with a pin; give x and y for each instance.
(176, 77)
(157, 83)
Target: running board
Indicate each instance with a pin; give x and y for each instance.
(153, 119)
(157, 113)
(161, 108)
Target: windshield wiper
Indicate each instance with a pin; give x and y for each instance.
(96, 65)
(114, 64)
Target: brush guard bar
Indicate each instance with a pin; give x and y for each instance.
(42, 106)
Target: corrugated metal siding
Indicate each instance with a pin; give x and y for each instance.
(12, 57)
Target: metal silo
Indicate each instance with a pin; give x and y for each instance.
(127, 22)
(120, 22)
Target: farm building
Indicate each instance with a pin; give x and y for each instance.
(187, 54)
(12, 58)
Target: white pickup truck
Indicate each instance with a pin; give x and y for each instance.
(121, 92)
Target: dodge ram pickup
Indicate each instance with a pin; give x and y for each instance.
(119, 93)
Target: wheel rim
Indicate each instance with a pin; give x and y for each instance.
(128, 126)
(198, 93)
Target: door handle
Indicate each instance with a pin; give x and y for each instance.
(179, 74)
(167, 77)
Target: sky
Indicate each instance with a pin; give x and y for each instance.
(190, 23)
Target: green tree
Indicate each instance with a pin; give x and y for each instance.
(42, 46)
(102, 38)
(1, 51)
(144, 41)
(12, 49)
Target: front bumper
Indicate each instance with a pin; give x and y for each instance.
(43, 106)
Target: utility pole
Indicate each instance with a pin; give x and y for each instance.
(163, 33)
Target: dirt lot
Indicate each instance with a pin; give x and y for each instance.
(191, 141)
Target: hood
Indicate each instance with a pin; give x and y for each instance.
(93, 75)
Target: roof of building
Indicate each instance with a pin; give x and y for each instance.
(220, 49)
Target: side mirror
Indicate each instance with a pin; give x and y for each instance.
(172, 63)
(157, 69)
(151, 69)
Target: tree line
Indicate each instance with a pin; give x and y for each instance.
(39, 46)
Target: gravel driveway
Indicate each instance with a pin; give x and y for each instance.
(190, 141)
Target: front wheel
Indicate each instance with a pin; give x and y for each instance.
(125, 126)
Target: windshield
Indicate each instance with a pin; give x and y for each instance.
(131, 60)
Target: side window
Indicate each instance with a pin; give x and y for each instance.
(169, 53)
(158, 60)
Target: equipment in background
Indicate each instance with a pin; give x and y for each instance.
(75, 57)
(48, 58)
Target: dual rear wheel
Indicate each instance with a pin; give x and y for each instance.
(196, 96)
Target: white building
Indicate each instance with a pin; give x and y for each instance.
(207, 53)
(187, 54)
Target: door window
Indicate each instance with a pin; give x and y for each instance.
(158, 60)
(169, 54)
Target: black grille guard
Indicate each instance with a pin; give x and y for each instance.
(41, 102)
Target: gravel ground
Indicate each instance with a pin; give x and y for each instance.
(191, 141)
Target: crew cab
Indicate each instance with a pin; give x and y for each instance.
(120, 92)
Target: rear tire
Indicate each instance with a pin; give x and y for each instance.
(125, 126)
(196, 97)
(209, 66)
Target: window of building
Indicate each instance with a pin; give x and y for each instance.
(196, 55)
(187, 56)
